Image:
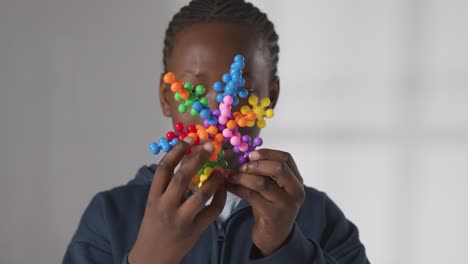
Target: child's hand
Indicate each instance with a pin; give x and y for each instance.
(273, 186)
(172, 224)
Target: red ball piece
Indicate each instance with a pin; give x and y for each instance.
(182, 135)
(179, 127)
(170, 135)
(191, 129)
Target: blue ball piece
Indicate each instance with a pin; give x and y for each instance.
(219, 98)
(218, 87)
(197, 106)
(243, 93)
(174, 141)
(226, 77)
(237, 66)
(154, 148)
(236, 78)
(235, 72)
(212, 120)
(205, 113)
(235, 101)
(239, 58)
(230, 88)
(164, 144)
(241, 81)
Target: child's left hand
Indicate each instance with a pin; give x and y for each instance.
(273, 186)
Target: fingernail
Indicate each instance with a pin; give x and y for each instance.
(188, 140)
(208, 147)
(243, 167)
(254, 155)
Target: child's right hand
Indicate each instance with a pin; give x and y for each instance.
(172, 224)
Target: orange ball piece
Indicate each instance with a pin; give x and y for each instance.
(212, 130)
(184, 94)
(176, 86)
(217, 149)
(218, 138)
(169, 78)
(202, 134)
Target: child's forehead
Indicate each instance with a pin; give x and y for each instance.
(212, 43)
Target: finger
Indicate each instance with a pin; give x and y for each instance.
(194, 205)
(252, 197)
(264, 185)
(270, 154)
(279, 171)
(180, 181)
(212, 211)
(166, 167)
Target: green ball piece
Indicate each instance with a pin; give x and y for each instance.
(201, 170)
(223, 164)
(200, 90)
(193, 112)
(182, 108)
(204, 101)
(221, 154)
(188, 86)
(211, 164)
(189, 101)
(177, 97)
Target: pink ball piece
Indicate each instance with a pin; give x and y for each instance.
(243, 146)
(222, 120)
(227, 133)
(235, 141)
(228, 100)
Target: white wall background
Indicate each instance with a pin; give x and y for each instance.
(385, 85)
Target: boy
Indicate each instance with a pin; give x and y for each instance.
(260, 212)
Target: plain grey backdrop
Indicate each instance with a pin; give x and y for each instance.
(373, 109)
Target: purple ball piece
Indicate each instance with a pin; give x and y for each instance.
(217, 112)
(258, 141)
(220, 127)
(206, 123)
(246, 138)
(243, 160)
(236, 150)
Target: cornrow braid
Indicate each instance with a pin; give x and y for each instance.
(231, 11)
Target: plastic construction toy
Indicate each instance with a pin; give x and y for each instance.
(259, 110)
(190, 97)
(219, 125)
(233, 81)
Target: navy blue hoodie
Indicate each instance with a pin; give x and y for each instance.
(110, 224)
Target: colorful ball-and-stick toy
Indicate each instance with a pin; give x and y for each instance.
(219, 125)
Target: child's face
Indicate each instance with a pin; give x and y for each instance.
(203, 52)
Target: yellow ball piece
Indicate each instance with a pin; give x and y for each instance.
(250, 123)
(253, 100)
(270, 113)
(208, 171)
(245, 109)
(265, 102)
(261, 123)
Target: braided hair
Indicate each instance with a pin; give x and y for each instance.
(231, 11)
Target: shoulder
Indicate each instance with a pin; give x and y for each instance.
(119, 204)
(318, 213)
